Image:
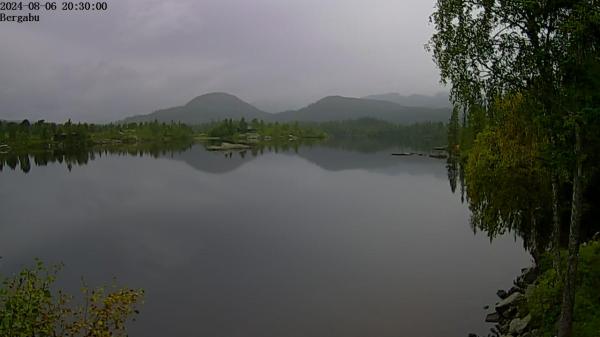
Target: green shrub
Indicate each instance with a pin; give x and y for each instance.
(544, 299)
(587, 298)
(29, 308)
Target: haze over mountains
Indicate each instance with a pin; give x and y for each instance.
(334, 108)
(439, 100)
(219, 106)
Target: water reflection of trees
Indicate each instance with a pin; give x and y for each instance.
(512, 199)
(381, 143)
(82, 155)
(504, 198)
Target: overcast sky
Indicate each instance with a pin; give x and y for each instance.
(143, 55)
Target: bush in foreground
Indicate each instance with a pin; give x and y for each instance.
(30, 308)
(544, 298)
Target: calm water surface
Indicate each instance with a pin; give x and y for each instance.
(322, 242)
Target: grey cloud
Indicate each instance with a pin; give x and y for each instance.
(143, 55)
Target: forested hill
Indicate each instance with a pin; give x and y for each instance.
(439, 100)
(204, 109)
(337, 108)
(220, 106)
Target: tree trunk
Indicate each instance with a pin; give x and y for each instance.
(555, 225)
(565, 326)
(535, 247)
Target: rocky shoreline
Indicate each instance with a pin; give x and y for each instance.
(510, 313)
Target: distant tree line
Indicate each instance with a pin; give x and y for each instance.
(259, 130)
(41, 134)
(23, 143)
(381, 134)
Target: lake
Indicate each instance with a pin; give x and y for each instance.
(318, 242)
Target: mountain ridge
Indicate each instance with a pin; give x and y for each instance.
(332, 108)
(438, 100)
(204, 108)
(220, 105)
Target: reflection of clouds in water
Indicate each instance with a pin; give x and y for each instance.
(138, 190)
(132, 188)
(380, 162)
(272, 236)
(330, 159)
(156, 247)
(213, 162)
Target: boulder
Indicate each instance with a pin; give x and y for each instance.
(502, 294)
(513, 290)
(508, 302)
(529, 276)
(518, 325)
(511, 312)
(503, 327)
(493, 317)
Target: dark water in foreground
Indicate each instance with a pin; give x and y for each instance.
(320, 243)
